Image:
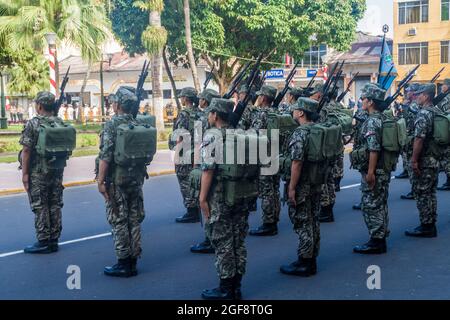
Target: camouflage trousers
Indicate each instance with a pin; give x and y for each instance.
(182, 172)
(407, 156)
(424, 187)
(46, 201)
(269, 193)
(328, 194)
(305, 218)
(125, 213)
(227, 228)
(445, 162)
(374, 204)
(338, 168)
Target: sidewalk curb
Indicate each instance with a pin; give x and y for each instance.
(82, 183)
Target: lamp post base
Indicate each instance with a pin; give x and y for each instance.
(3, 123)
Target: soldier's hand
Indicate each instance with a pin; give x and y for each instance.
(370, 179)
(26, 182)
(205, 209)
(292, 197)
(415, 167)
(102, 189)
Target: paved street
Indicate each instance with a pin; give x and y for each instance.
(412, 268)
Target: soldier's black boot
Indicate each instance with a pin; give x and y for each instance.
(423, 231)
(121, 269)
(357, 206)
(409, 196)
(303, 267)
(373, 246)
(445, 186)
(191, 216)
(38, 247)
(53, 245)
(223, 292)
(133, 267)
(237, 286)
(267, 229)
(403, 175)
(337, 184)
(326, 214)
(203, 247)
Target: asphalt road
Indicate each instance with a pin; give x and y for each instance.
(412, 268)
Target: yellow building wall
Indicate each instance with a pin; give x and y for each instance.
(434, 31)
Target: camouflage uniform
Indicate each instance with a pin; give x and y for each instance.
(410, 113)
(45, 188)
(125, 209)
(444, 105)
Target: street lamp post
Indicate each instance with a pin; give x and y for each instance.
(102, 95)
(3, 119)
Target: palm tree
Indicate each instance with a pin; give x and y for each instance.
(81, 23)
(191, 59)
(154, 39)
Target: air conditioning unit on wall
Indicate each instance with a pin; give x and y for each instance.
(412, 32)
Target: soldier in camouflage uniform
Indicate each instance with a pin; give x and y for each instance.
(425, 164)
(444, 105)
(185, 121)
(317, 92)
(44, 186)
(359, 117)
(375, 180)
(269, 186)
(291, 98)
(124, 202)
(410, 110)
(304, 196)
(226, 225)
(246, 119)
(205, 100)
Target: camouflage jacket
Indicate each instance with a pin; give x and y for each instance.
(444, 105)
(409, 114)
(424, 130)
(246, 120)
(361, 116)
(284, 108)
(186, 120)
(260, 118)
(371, 132)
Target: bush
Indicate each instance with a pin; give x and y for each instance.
(87, 140)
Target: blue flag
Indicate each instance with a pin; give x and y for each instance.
(387, 71)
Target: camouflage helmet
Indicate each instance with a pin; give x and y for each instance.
(268, 91)
(317, 88)
(447, 82)
(126, 97)
(208, 95)
(296, 92)
(306, 104)
(429, 88)
(189, 92)
(373, 91)
(112, 98)
(243, 89)
(220, 105)
(45, 98)
(413, 87)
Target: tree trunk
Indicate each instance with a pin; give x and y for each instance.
(191, 59)
(157, 79)
(172, 81)
(83, 87)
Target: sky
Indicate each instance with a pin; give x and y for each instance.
(378, 13)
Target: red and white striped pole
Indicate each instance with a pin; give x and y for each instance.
(51, 62)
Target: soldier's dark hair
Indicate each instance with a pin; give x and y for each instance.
(380, 105)
(222, 115)
(195, 101)
(311, 116)
(48, 107)
(270, 99)
(127, 108)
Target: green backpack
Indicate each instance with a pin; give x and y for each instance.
(343, 119)
(135, 145)
(55, 143)
(441, 129)
(283, 122)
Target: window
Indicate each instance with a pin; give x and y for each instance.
(413, 11)
(313, 57)
(445, 10)
(167, 94)
(445, 52)
(413, 53)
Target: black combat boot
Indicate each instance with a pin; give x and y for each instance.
(267, 229)
(403, 175)
(133, 267)
(203, 247)
(445, 186)
(337, 184)
(223, 292)
(423, 231)
(303, 267)
(53, 245)
(326, 214)
(409, 196)
(121, 269)
(191, 216)
(237, 286)
(357, 206)
(374, 246)
(39, 247)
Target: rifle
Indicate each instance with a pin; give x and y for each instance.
(441, 96)
(343, 94)
(331, 80)
(261, 81)
(208, 79)
(237, 81)
(61, 92)
(281, 94)
(387, 76)
(401, 85)
(140, 86)
(236, 115)
(311, 82)
(437, 75)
